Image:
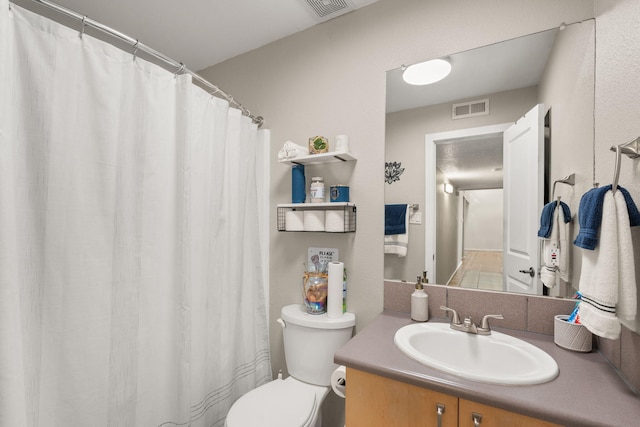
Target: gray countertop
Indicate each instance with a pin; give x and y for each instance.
(587, 392)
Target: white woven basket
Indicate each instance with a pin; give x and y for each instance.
(571, 336)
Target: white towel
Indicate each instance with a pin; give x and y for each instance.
(398, 243)
(607, 280)
(627, 292)
(291, 150)
(556, 252)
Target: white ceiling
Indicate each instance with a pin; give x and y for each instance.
(472, 163)
(200, 33)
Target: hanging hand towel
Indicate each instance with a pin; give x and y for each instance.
(547, 216)
(607, 281)
(394, 219)
(555, 247)
(396, 230)
(590, 215)
(564, 247)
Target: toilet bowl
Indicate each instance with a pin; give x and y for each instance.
(309, 344)
(283, 403)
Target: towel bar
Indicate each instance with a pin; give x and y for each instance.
(569, 179)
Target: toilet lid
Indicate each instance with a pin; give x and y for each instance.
(278, 403)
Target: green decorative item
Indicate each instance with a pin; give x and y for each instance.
(318, 144)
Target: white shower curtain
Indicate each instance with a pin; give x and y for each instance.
(131, 276)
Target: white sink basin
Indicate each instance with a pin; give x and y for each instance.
(497, 358)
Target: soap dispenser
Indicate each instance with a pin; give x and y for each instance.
(419, 303)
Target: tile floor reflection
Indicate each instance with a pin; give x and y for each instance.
(479, 270)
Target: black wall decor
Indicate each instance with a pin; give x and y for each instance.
(392, 171)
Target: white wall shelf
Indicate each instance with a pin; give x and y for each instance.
(316, 159)
(340, 217)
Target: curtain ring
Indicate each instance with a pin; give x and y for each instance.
(84, 18)
(180, 70)
(135, 49)
(217, 89)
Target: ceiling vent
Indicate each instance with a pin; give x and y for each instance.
(470, 109)
(328, 9)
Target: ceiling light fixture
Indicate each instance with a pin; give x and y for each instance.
(448, 188)
(427, 72)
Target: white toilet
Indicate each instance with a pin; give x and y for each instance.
(309, 344)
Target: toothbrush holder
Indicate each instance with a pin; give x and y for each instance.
(571, 336)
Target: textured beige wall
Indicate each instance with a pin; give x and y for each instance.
(483, 223)
(567, 89)
(446, 230)
(330, 80)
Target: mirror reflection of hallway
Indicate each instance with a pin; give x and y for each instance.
(480, 243)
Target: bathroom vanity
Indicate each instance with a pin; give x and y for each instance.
(387, 388)
(374, 400)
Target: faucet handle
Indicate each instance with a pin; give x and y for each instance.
(484, 324)
(456, 316)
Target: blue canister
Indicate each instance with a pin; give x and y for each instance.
(298, 185)
(339, 193)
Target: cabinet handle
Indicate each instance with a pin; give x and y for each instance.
(477, 419)
(440, 410)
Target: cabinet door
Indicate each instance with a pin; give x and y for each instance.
(374, 401)
(494, 417)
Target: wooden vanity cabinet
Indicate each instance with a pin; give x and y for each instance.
(375, 401)
(494, 417)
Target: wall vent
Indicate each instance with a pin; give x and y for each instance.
(327, 9)
(462, 110)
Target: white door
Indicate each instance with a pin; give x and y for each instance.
(523, 142)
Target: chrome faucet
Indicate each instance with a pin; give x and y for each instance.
(467, 325)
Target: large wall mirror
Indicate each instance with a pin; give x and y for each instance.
(475, 198)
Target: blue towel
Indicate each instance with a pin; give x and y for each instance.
(395, 219)
(590, 215)
(546, 218)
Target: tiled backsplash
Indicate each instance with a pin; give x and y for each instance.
(521, 312)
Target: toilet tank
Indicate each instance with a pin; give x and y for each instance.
(310, 340)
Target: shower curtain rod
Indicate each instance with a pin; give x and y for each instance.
(181, 69)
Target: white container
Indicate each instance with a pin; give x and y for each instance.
(419, 304)
(571, 336)
(316, 190)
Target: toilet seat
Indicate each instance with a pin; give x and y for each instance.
(280, 403)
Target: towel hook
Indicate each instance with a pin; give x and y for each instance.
(630, 148)
(616, 172)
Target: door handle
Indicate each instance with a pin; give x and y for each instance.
(530, 272)
(440, 411)
(476, 418)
